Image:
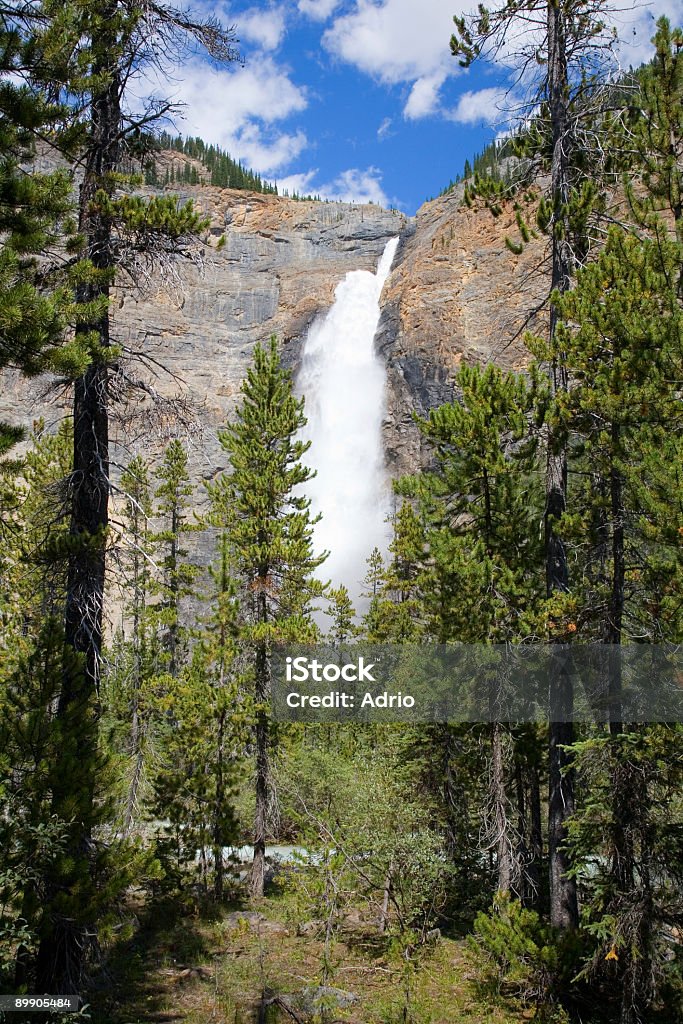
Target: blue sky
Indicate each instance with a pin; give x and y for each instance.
(360, 99)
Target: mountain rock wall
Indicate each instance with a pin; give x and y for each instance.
(188, 329)
(271, 264)
(456, 295)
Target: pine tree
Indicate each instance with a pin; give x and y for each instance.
(35, 218)
(623, 415)
(145, 686)
(480, 509)
(33, 839)
(343, 615)
(233, 711)
(270, 528)
(88, 51)
(622, 347)
(212, 716)
(373, 577)
(373, 583)
(483, 583)
(178, 575)
(200, 751)
(137, 537)
(31, 661)
(574, 49)
(656, 138)
(42, 747)
(34, 212)
(40, 541)
(395, 613)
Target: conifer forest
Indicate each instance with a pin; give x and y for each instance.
(169, 849)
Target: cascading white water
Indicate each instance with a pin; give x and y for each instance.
(343, 380)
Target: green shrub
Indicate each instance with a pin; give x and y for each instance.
(526, 959)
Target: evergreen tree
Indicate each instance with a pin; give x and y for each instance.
(483, 579)
(36, 299)
(624, 416)
(140, 660)
(270, 528)
(343, 615)
(654, 178)
(206, 746)
(622, 346)
(373, 577)
(32, 552)
(565, 88)
(40, 747)
(178, 575)
(480, 509)
(39, 548)
(89, 52)
(33, 839)
(143, 685)
(395, 613)
(200, 750)
(34, 213)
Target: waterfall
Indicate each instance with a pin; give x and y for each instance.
(343, 380)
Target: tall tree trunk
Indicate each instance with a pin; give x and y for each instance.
(64, 937)
(615, 618)
(218, 872)
(536, 839)
(138, 723)
(564, 911)
(451, 792)
(630, 843)
(138, 726)
(258, 869)
(530, 842)
(174, 598)
(500, 803)
(136, 778)
(386, 895)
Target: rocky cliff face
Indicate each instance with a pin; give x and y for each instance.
(271, 265)
(456, 295)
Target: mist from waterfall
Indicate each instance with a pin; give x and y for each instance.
(343, 380)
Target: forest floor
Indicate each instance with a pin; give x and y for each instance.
(235, 965)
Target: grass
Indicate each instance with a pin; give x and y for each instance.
(190, 961)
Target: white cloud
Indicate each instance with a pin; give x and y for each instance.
(396, 43)
(300, 183)
(636, 28)
(350, 186)
(319, 10)
(261, 89)
(265, 152)
(356, 186)
(384, 130)
(424, 96)
(393, 41)
(240, 108)
(264, 28)
(484, 105)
